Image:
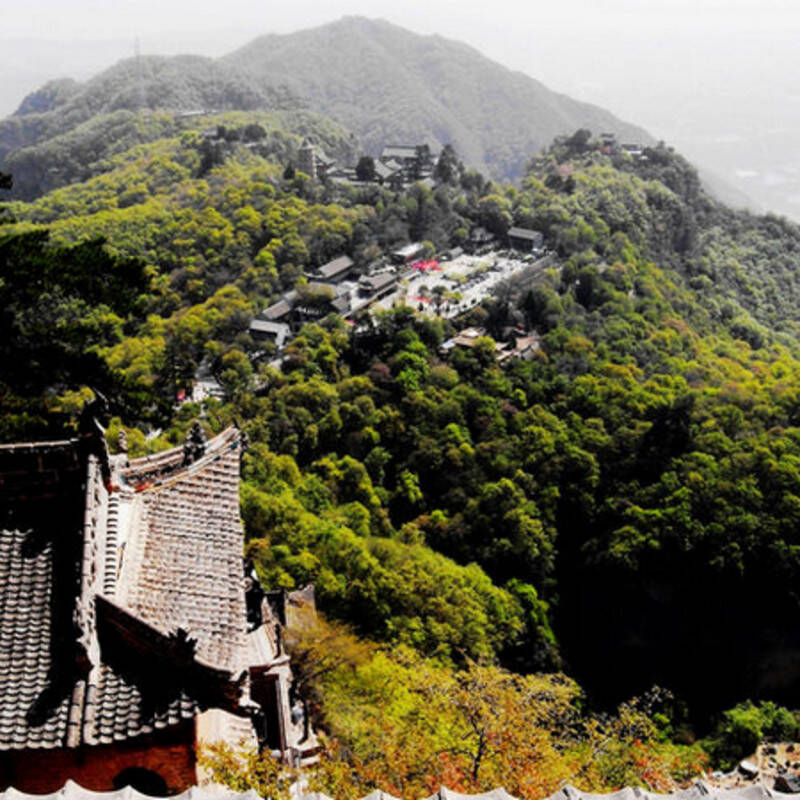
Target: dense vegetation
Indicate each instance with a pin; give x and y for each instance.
(105, 141)
(387, 85)
(625, 506)
(409, 725)
(175, 84)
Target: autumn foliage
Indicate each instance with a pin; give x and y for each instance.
(390, 719)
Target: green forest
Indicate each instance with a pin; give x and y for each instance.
(579, 567)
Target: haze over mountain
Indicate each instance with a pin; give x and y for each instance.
(723, 94)
(388, 84)
(713, 78)
(26, 63)
(384, 83)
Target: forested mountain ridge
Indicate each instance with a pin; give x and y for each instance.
(93, 147)
(390, 85)
(60, 132)
(616, 505)
(680, 522)
(381, 82)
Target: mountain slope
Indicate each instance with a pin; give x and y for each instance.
(637, 483)
(92, 147)
(382, 82)
(179, 83)
(388, 84)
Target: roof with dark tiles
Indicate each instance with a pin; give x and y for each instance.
(41, 519)
(187, 568)
(119, 710)
(25, 661)
(89, 581)
(336, 268)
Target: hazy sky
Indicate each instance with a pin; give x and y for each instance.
(477, 20)
(717, 78)
(569, 44)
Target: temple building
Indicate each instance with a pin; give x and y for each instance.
(131, 632)
(314, 161)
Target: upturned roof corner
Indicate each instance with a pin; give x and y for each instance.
(122, 585)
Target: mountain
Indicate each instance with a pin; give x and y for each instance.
(381, 81)
(388, 84)
(179, 83)
(624, 500)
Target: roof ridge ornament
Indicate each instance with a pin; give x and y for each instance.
(194, 446)
(92, 432)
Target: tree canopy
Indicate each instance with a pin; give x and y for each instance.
(635, 482)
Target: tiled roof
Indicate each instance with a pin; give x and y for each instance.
(277, 310)
(398, 151)
(25, 661)
(266, 326)
(524, 233)
(183, 565)
(40, 554)
(341, 305)
(116, 708)
(375, 283)
(409, 250)
(101, 592)
(383, 171)
(336, 267)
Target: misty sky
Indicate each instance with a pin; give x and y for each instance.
(716, 78)
(475, 19)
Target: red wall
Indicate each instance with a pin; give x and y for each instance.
(169, 753)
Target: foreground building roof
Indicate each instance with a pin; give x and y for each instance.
(122, 591)
(36, 594)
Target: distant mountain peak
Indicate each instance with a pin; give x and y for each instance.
(386, 82)
(383, 82)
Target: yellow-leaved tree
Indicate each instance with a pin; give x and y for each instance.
(391, 719)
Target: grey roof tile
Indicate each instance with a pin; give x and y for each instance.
(190, 576)
(37, 576)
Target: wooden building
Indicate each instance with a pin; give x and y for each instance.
(416, 161)
(128, 636)
(264, 330)
(480, 240)
(336, 270)
(525, 239)
(408, 253)
(313, 161)
(378, 285)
